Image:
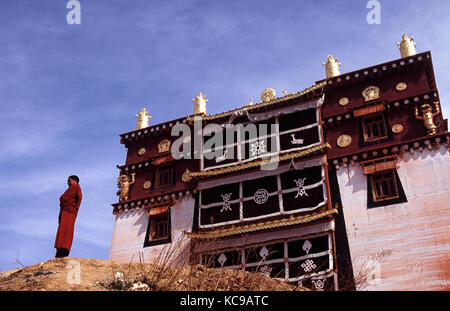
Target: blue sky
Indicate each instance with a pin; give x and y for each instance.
(68, 91)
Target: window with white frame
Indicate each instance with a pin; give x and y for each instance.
(292, 188)
(253, 136)
(306, 260)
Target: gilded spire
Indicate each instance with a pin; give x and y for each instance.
(332, 67)
(142, 119)
(200, 104)
(407, 46)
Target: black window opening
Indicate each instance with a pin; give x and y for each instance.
(374, 129)
(158, 230)
(384, 188)
(164, 176)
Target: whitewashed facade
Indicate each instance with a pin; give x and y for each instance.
(403, 246)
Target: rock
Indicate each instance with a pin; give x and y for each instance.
(140, 287)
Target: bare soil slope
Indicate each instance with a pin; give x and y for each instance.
(83, 274)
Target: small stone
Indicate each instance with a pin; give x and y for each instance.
(140, 287)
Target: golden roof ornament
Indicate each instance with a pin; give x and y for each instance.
(268, 95)
(142, 151)
(251, 102)
(164, 146)
(332, 67)
(344, 141)
(124, 183)
(401, 86)
(200, 104)
(344, 101)
(407, 46)
(428, 116)
(186, 177)
(142, 119)
(371, 93)
(397, 128)
(147, 185)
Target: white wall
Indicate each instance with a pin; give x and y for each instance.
(403, 246)
(130, 229)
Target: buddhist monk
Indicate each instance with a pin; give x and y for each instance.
(69, 203)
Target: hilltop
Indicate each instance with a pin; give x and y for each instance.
(83, 274)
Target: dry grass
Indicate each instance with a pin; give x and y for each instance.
(175, 270)
(193, 278)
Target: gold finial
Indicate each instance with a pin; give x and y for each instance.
(332, 67)
(251, 102)
(407, 46)
(142, 119)
(200, 103)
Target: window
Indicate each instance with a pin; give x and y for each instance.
(158, 231)
(292, 260)
(159, 228)
(164, 176)
(253, 136)
(374, 128)
(384, 186)
(254, 196)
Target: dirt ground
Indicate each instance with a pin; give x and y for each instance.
(83, 274)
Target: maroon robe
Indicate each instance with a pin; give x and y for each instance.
(69, 203)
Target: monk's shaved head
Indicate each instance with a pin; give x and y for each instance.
(75, 178)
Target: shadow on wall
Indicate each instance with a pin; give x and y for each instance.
(355, 178)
